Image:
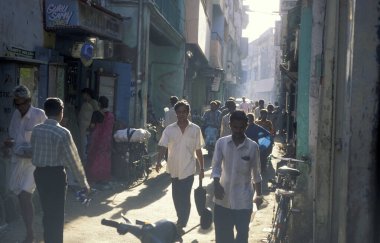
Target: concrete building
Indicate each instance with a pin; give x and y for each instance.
(215, 48)
(330, 75)
(259, 68)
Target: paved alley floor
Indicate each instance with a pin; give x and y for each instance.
(150, 201)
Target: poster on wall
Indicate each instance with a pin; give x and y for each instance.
(107, 86)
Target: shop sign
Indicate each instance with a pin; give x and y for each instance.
(215, 84)
(74, 15)
(11, 51)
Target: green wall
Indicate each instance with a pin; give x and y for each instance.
(166, 68)
(303, 82)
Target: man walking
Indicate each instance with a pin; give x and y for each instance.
(236, 174)
(53, 149)
(21, 182)
(170, 115)
(183, 140)
(225, 123)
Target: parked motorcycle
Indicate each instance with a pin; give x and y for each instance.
(162, 231)
(211, 135)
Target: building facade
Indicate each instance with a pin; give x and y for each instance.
(330, 75)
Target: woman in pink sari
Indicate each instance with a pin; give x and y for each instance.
(99, 150)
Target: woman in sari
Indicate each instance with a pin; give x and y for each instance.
(99, 150)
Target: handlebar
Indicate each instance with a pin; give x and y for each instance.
(162, 231)
(292, 160)
(110, 223)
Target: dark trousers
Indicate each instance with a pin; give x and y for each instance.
(51, 184)
(226, 219)
(181, 191)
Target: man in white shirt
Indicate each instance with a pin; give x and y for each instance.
(258, 109)
(225, 124)
(21, 180)
(170, 115)
(236, 174)
(183, 140)
(244, 105)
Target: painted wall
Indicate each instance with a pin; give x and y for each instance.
(166, 67)
(20, 18)
(360, 130)
(303, 232)
(303, 82)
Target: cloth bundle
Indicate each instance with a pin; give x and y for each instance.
(131, 135)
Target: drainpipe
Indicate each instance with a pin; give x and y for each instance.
(138, 98)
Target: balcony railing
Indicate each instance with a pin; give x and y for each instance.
(172, 13)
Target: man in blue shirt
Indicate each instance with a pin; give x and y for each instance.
(262, 137)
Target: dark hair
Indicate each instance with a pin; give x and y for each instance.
(270, 107)
(173, 100)
(88, 91)
(251, 115)
(53, 106)
(182, 103)
(263, 111)
(238, 115)
(103, 102)
(230, 103)
(261, 102)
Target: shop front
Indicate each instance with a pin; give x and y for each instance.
(18, 66)
(85, 38)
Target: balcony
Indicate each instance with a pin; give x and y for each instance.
(216, 51)
(172, 13)
(198, 27)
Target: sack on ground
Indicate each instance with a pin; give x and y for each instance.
(138, 135)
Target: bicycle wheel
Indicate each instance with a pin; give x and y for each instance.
(281, 221)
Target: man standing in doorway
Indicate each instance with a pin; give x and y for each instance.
(53, 149)
(183, 140)
(89, 105)
(24, 118)
(236, 174)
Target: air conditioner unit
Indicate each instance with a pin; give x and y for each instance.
(104, 49)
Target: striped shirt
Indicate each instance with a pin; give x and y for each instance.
(53, 145)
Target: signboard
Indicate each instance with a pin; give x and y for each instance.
(69, 14)
(215, 84)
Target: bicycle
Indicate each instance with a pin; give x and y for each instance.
(283, 185)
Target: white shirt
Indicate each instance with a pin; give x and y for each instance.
(237, 167)
(181, 149)
(170, 117)
(257, 112)
(20, 129)
(245, 107)
(225, 125)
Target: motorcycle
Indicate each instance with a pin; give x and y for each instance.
(211, 135)
(162, 231)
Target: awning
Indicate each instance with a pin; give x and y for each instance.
(77, 16)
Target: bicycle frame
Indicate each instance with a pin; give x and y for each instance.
(285, 182)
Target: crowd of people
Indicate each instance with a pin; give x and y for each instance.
(43, 148)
